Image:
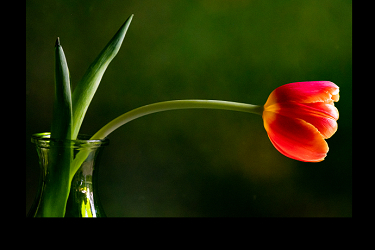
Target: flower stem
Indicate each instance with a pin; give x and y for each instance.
(159, 107)
(172, 105)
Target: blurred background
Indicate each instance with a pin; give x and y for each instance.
(198, 162)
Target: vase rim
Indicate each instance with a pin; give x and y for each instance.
(83, 140)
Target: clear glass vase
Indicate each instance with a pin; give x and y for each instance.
(75, 196)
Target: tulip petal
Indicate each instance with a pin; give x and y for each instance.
(295, 138)
(322, 116)
(305, 92)
(324, 109)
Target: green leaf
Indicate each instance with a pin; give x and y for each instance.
(57, 185)
(87, 87)
(61, 127)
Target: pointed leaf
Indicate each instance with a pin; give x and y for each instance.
(87, 87)
(62, 109)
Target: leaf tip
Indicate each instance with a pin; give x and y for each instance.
(57, 42)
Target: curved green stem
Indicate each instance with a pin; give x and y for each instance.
(159, 107)
(172, 105)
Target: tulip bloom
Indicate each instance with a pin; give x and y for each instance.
(299, 116)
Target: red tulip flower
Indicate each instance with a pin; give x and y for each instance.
(299, 116)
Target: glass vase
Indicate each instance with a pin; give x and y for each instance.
(79, 193)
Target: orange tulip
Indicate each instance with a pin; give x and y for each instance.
(299, 116)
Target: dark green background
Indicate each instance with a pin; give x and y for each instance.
(198, 162)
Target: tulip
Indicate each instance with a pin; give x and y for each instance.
(299, 116)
